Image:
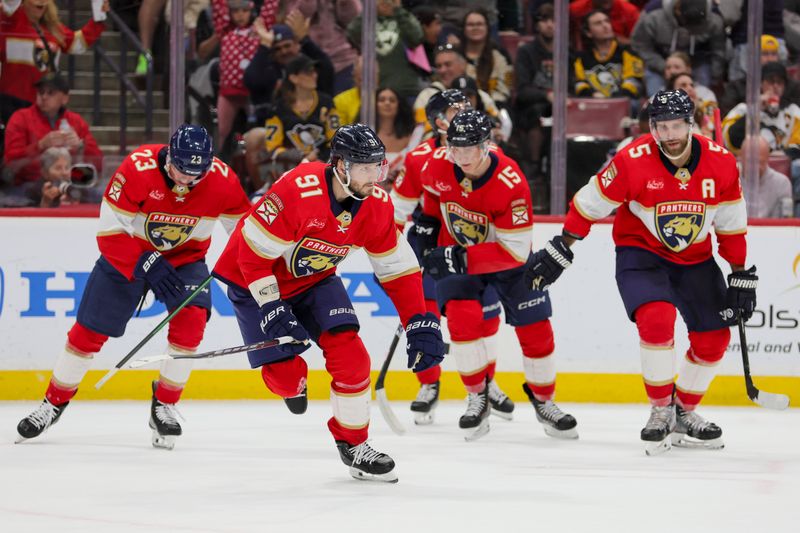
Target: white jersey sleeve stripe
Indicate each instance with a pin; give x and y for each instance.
(731, 218)
(403, 207)
(399, 261)
(263, 243)
(229, 222)
(115, 220)
(517, 243)
(591, 203)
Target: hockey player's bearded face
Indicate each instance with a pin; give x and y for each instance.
(362, 177)
(673, 135)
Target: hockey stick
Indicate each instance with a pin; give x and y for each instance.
(150, 335)
(136, 363)
(380, 389)
(764, 399)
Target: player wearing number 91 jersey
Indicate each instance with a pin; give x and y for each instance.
(280, 267)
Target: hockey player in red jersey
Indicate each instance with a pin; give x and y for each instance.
(280, 268)
(669, 188)
(156, 220)
(481, 203)
(407, 199)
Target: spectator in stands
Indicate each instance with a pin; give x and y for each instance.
(481, 101)
(681, 25)
(734, 13)
(454, 11)
(534, 94)
(431, 21)
(622, 15)
(678, 63)
(47, 123)
(233, 21)
(396, 31)
(703, 111)
(485, 62)
(148, 17)
(348, 103)
(774, 189)
(736, 91)
(56, 163)
(31, 37)
(394, 124)
(606, 69)
(328, 29)
(780, 125)
(791, 28)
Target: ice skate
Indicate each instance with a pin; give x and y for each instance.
(501, 404)
(555, 422)
(475, 421)
(424, 406)
(39, 421)
(656, 433)
(163, 422)
(366, 463)
(693, 431)
(298, 404)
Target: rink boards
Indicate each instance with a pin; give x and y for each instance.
(44, 264)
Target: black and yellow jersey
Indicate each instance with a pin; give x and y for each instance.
(620, 73)
(306, 133)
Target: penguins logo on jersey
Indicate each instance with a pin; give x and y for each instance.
(603, 79)
(313, 255)
(166, 232)
(679, 223)
(305, 137)
(466, 227)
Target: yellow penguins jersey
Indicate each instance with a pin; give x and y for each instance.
(313, 131)
(620, 73)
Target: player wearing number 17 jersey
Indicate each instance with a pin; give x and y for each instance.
(280, 268)
(156, 220)
(479, 203)
(670, 189)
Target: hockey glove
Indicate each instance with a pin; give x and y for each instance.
(547, 264)
(741, 295)
(279, 321)
(445, 261)
(426, 229)
(162, 278)
(425, 346)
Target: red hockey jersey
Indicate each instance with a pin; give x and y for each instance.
(297, 234)
(143, 210)
(664, 209)
(490, 216)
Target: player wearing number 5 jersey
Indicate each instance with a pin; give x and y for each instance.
(280, 267)
(480, 205)
(670, 188)
(156, 220)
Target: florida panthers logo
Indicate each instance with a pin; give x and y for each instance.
(679, 223)
(313, 255)
(166, 232)
(466, 227)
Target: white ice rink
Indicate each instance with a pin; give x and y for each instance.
(252, 466)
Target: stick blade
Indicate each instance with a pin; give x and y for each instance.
(770, 400)
(144, 361)
(386, 411)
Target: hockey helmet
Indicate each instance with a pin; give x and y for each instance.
(357, 143)
(191, 150)
(469, 128)
(670, 105)
(440, 102)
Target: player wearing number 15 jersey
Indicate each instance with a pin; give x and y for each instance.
(156, 219)
(480, 205)
(280, 267)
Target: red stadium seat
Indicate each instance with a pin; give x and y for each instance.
(780, 162)
(793, 71)
(600, 118)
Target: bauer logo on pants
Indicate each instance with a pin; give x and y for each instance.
(166, 232)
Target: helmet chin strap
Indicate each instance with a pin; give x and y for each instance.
(346, 186)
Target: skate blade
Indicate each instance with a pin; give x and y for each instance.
(165, 442)
(652, 448)
(388, 477)
(501, 414)
(567, 434)
(473, 434)
(681, 440)
(20, 439)
(423, 419)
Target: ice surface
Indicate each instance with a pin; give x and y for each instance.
(253, 466)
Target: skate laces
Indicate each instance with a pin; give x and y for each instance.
(476, 402)
(427, 392)
(549, 410)
(165, 412)
(659, 417)
(496, 394)
(43, 415)
(364, 453)
(693, 421)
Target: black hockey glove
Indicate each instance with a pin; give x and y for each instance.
(445, 261)
(279, 321)
(426, 229)
(425, 346)
(162, 278)
(741, 295)
(547, 264)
